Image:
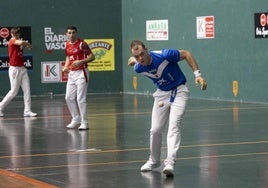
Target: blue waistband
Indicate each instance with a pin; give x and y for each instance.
(173, 95)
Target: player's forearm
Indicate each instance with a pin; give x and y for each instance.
(89, 58)
(23, 43)
(184, 54)
(191, 62)
(27, 44)
(66, 65)
(67, 62)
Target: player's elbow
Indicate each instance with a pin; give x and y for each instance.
(185, 54)
(92, 57)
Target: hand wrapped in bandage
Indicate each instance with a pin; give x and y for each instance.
(65, 69)
(28, 46)
(200, 81)
(131, 61)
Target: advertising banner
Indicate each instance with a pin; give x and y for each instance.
(261, 25)
(103, 49)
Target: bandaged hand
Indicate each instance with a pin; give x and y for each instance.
(65, 69)
(200, 81)
(29, 46)
(131, 61)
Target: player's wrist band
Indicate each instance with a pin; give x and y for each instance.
(197, 73)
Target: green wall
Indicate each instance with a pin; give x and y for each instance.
(234, 53)
(95, 19)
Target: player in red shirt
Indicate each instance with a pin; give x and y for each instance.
(78, 54)
(17, 73)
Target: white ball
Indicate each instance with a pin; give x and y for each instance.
(161, 103)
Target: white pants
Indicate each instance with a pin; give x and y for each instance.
(76, 95)
(18, 77)
(173, 113)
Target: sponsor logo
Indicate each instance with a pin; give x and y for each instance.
(4, 32)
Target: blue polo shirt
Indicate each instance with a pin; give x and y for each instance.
(164, 70)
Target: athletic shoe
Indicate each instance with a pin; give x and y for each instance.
(83, 126)
(149, 166)
(29, 114)
(1, 113)
(73, 124)
(169, 170)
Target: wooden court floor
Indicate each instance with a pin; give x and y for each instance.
(224, 144)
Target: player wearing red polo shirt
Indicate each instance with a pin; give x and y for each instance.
(78, 54)
(17, 73)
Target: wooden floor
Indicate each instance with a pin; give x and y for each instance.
(224, 144)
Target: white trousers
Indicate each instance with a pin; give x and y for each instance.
(18, 77)
(171, 113)
(76, 95)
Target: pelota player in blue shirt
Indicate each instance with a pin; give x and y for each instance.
(170, 98)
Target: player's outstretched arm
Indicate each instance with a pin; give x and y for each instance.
(23, 43)
(199, 80)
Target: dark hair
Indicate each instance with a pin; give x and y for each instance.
(15, 31)
(137, 42)
(72, 28)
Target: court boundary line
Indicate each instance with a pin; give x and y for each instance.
(136, 113)
(139, 161)
(98, 150)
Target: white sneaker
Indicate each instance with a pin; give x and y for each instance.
(73, 124)
(83, 126)
(149, 166)
(169, 170)
(29, 114)
(1, 113)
